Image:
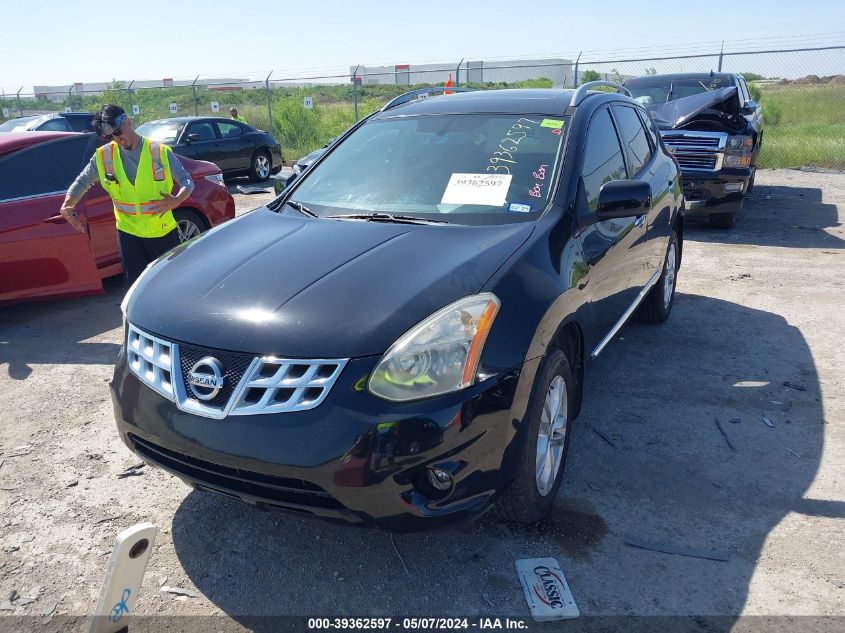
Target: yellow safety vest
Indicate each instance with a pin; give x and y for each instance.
(152, 182)
(241, 119)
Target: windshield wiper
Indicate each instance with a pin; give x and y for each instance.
(387, 217)
(302, 208)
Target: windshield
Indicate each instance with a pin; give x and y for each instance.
(471, 168)
(654, 90)
(17, 124)
(161, 131)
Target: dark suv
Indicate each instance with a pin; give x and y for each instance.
(400, 338)
(714, 128)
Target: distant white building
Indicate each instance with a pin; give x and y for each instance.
(60, 93)
(559, 71)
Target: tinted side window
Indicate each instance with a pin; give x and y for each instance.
(651, 128)
(205, 130)
(229, 130)
(22, 173)
(80, 123)
(54, 125)
(603, 160)
(633, 138)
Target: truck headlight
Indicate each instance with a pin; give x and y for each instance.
(737, 160)
(438, 355)
(740, 142)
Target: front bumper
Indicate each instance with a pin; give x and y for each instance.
(354, 457)
(715, 191)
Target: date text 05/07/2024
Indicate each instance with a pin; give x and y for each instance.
(416, 624)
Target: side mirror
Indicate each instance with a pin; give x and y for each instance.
(750, 107)
(194, 137)
(623, 199)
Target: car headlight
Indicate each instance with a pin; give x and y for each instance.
(297, 168)
(438, 355)
(740, 142)
(217, 179)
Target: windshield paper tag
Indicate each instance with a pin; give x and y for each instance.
(483, 189)
(552, 123)
(517, 207)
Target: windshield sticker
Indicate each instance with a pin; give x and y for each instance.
(555, 124)
(508, 146)
(537, 190)
(483, 189)
(516, 207)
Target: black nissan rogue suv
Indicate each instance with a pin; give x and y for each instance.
(400, 338)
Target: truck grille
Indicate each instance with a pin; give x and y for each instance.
(696, 151)
(697, 160)
(250, 385)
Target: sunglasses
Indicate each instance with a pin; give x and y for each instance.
(117, 131)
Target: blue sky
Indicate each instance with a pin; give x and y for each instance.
(57, 42)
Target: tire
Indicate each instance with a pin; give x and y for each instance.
(260, 166)
(658, 303)
(189, 224)
(527, 500)
(723, 220)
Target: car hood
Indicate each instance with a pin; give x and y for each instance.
(674, 114)
(267, 283)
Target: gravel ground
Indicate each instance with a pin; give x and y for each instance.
(758, 306)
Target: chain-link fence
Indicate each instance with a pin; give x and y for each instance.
(802, 92)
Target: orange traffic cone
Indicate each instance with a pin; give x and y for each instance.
(448, 85)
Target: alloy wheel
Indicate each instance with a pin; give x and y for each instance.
(187, 230)
(262, 166)
(551, 436)
(669, 276)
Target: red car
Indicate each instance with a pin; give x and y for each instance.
(41, 255)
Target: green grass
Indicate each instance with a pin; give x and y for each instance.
(803, 126)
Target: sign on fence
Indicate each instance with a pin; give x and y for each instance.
(68, 109)
(5, 113)
(308, 102)
(173, 108)
(215, 106)
(136, 109)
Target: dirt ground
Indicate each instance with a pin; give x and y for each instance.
(758, 306)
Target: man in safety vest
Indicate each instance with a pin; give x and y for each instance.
(233, 113)
(139, 175)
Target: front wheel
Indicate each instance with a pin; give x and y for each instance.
(531, 496)
(658, 303)
(260, 167)
(188, 223)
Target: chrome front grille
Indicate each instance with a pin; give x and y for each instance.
(151, 359)
(696, 151)
(251, 385)
(276, 385)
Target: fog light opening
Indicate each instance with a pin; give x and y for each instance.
(435, 483)
(439, 479)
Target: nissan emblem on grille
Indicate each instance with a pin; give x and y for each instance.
(206, 378)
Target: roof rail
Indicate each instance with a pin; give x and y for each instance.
(581, 93)
(415, 94)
